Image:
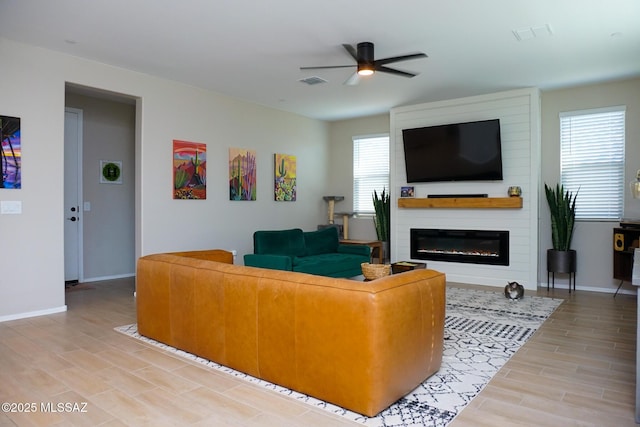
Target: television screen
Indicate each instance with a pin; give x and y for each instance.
(455, 152)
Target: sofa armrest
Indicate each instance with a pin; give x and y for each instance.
(274, 262)
(355, 249)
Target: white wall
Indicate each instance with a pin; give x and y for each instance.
(593, 241)
(341, 165)
(33, 88)
(518, 112)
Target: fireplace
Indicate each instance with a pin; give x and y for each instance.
(467, 246)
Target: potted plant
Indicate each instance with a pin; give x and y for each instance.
(381, 220)
(562, 205)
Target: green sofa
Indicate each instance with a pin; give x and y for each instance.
(314, 252)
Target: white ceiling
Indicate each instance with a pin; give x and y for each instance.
(252, 49)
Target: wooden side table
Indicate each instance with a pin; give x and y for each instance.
(375, 245)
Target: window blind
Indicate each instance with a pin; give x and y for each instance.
(370, 170)
(592, 161)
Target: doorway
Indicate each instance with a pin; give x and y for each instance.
(103, 211)
(72, 195)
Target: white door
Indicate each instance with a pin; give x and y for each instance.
(72, 195)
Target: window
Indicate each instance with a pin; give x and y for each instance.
(370, 170)
(592, 161)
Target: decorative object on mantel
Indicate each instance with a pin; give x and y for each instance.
(635, 186)
(407, 192)
(382, 219)
(562, 206)
(514, 191)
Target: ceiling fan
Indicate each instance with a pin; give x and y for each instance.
(367, 64)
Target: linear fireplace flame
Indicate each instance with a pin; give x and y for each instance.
(466, 246)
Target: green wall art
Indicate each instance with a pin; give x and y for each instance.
(285, 178)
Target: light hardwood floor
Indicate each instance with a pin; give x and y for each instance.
(579, 369)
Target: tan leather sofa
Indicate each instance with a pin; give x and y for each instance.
(359, 345)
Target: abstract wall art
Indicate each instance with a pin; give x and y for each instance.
(285, 178)
(242, 174)
(10, 153)
(189, 170)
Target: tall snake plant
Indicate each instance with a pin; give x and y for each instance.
(382, 206)
(562, 205)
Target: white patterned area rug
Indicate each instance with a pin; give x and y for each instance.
(482, 331)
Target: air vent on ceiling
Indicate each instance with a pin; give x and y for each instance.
(533, 32)
(313, 80)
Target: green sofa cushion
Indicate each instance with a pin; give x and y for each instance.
(331, 265)
(323, 241)
(279, 242)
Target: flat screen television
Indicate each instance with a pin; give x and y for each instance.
(469, 151)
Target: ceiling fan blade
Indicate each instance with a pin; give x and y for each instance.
(352, 51)
(353, 80)
(396, 72)
(399, 58)
(327, 66)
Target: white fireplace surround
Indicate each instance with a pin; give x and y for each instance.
(519, 114)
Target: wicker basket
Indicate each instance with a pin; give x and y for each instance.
(375, 271)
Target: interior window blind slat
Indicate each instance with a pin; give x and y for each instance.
(592, 161)
(370, 170)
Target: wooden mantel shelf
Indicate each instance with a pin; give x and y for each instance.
(461, 203)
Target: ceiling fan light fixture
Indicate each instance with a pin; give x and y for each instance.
(365, 70)
(365, 58)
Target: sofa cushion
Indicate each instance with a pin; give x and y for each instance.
(279, 242)
(321, 242)
(332, 264)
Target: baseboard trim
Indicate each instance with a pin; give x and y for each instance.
(590, 289)
(36, 313)
(103, 278)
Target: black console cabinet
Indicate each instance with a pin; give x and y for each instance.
(625, 240)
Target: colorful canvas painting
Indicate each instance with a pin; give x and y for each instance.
(11, 152)
(189, 170)
(242, 174)
(285, 178)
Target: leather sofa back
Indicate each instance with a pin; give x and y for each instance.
(359, 345)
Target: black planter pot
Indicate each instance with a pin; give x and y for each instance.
(387, 252)
(561, 261)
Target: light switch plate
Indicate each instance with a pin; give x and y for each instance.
(10, 207)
